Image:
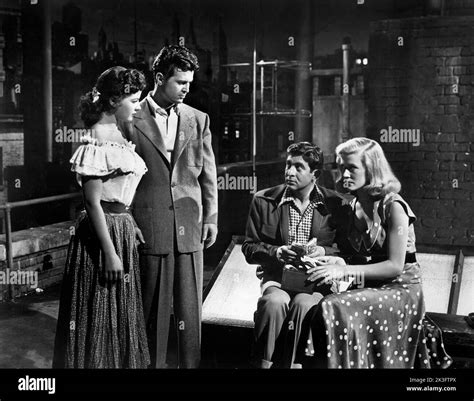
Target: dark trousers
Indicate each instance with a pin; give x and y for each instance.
(278, 322)
(173, 283)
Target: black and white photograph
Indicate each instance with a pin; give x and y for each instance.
(236, 199)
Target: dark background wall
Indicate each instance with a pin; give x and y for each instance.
(405, 87)
(426, 84)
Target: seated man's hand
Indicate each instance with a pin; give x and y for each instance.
(286, 255)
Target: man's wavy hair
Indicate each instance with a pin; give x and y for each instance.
(311, 154)
(172, 57)
(379, 175)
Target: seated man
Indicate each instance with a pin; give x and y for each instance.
(294, 212)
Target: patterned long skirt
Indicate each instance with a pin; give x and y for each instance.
(379, 327)
(101, 325)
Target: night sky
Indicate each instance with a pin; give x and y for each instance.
(276, 20)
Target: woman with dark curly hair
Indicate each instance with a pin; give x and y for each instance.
(101, 323)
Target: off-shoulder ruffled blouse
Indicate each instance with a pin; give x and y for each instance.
(119, 166)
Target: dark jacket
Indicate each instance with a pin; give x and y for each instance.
(174, 200)
(267, 227)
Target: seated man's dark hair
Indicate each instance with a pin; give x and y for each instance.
(311, 154)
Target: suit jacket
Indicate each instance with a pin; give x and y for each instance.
(174, 198)
(267, 228)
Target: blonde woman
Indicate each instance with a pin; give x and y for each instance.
(379, 322)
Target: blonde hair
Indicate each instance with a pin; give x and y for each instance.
(380, 177)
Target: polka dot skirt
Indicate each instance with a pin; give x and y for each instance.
(381, 327)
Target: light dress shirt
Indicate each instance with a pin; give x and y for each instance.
(167, 121)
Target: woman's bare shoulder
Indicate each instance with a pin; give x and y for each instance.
(107, 133)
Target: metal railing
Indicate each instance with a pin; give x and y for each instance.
(7, 207)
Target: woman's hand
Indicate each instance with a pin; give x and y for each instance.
(318, 252)
(329, 260)
(326, 273)
(92, 187)
(113, 268)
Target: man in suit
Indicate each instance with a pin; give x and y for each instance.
(175, 206)
(296, 211)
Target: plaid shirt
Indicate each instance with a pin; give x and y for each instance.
(300, 223)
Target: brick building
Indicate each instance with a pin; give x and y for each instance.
(422, 71)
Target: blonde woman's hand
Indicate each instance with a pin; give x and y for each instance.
(329, 260)
(319, 252)
(325, 274)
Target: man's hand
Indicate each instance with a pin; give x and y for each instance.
(286, 255)
(139, 236)
(209, 234)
